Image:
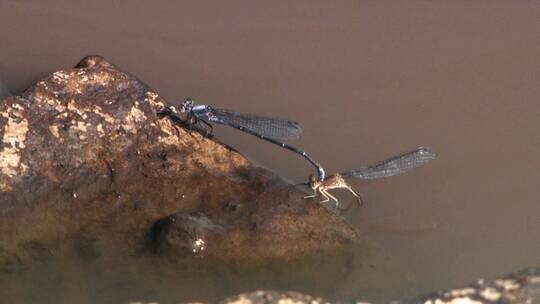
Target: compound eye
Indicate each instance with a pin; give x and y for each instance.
(186, 105)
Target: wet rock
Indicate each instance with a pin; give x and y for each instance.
(252, 229)
(520, 287)
(87, 159)
(273, 297)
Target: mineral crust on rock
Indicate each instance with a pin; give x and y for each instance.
(87, 160)
(273, 297)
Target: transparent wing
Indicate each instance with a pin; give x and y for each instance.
(394, 165)
(276, 128)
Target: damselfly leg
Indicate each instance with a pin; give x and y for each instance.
(209, 130)
(357, 195)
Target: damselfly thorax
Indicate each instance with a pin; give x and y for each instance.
(274, 130)
(388, 167)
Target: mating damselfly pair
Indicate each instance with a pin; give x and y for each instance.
(280, 130)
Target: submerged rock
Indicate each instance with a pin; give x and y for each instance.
(86, 159)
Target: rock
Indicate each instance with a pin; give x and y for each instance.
(273, 297)
(86, 160)
(520, 287)
(250, 229)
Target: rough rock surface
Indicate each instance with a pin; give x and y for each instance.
(273, 297)
(519, 288)
(86, 160)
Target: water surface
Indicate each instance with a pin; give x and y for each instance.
(366, 80)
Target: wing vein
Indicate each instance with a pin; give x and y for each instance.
(275, 128)
(394, 165)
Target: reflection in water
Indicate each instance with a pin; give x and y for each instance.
(366, 80)
(365, 271)
(4, 91)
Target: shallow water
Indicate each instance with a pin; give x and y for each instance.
(4, 91)
(365, 271)
(366, 81)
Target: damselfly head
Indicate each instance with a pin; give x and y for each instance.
(426, 152)
(186, 105)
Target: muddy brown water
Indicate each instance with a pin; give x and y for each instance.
(366, 80)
